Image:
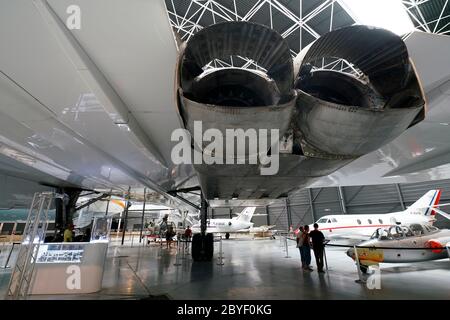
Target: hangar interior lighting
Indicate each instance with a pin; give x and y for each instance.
(387, 14)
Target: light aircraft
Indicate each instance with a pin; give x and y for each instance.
(362, 226)
(403, 243)
(241, 223)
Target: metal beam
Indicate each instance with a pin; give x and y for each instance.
(142, 218)
(125, 223)
(311, 205)
(89, 202)
(342, 200)
(288, 212)
(400, 196)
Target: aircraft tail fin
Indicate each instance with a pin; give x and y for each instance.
(246, 214)
(425, 204)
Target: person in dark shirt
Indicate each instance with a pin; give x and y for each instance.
(317, 239)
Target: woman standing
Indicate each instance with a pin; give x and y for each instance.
(306, 248)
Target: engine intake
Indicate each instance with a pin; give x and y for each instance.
(341, 115)
(234, 98)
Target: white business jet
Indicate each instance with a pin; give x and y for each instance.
(227, 226)
(360, 226)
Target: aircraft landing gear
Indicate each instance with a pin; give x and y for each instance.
(227, 236)
(203, 243)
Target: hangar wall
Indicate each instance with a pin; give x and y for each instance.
(17, 192)
(308, 205)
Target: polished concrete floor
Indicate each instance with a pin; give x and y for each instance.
(255, 269)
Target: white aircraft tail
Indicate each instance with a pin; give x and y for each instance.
(424, 206)
(246, 214)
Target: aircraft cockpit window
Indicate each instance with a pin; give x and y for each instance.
(384, 235)
(395, 232)
(416, 229)
(322, 220)
(333, 220)
(407, 232)
(376, 234)
(430, 228)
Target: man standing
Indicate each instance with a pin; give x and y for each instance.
(317, 238)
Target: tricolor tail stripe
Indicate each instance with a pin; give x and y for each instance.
(436, 202)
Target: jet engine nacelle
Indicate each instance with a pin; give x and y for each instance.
(234, 98)
(330, 117)
(339, 114)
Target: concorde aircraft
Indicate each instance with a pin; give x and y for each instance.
(362, 226)
(77, 111)
(414, 242)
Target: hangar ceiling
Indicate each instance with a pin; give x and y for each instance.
(300, 22)
(429, 15)
(288, 17)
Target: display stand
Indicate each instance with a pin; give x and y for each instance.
(73, 267)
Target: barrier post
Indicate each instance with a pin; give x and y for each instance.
(220, 262)
(286, 246)
(177, 262)
(9, 256)
(325, 257)
(361, 279)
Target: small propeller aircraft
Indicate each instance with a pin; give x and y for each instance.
(414, 242)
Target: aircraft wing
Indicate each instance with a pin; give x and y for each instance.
(90, 107)
(349, 236)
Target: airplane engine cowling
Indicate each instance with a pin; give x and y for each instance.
(343, 115)
(233, 98)
(435, 245)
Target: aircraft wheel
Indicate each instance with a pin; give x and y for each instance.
(196, 247)
(227, 236)
(209, 247)
(202, 247)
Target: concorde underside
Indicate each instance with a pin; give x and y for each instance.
(327, 118)
(95, 108)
